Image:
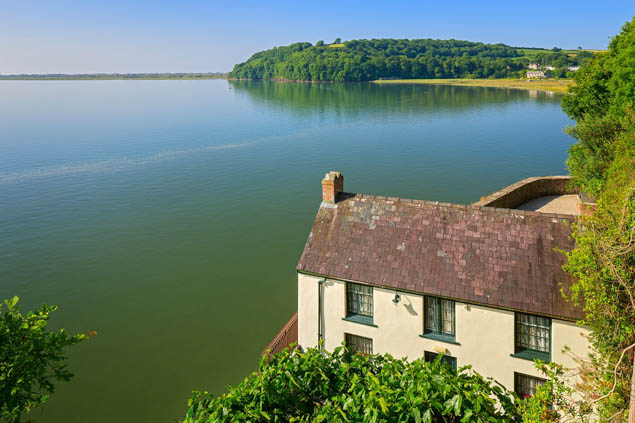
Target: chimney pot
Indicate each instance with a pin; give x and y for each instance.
(332, 184)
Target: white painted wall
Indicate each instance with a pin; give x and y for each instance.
(485, 334)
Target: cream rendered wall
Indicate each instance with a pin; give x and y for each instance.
(485, 335)
(307, 310)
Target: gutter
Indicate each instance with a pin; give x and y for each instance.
(422, 294)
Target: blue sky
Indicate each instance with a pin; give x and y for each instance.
(44, 36)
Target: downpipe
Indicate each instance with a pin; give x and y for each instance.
(320, 334)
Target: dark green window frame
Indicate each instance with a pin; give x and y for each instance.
(430, 356)
(525, 385)
(358, 344)
(359, 303)
(439, 319)
(532, 337)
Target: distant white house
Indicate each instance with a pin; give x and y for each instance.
(535, 74)
(550, 67)
(573, 68)
(534, 66)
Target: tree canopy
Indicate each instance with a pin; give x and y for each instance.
(601, 104)
(365, 60)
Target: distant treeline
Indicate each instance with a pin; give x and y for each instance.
(209, 75)
(366, 60)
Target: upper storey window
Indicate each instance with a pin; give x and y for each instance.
(533, 336)
(439, 317)
(359, 302)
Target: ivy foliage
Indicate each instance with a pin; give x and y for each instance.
(602, 163)
(343, 386)
(32, 359)
(604, 265)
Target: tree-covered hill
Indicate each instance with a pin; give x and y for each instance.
(365, 60)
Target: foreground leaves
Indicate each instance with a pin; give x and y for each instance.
(31, 359)
(343, 386)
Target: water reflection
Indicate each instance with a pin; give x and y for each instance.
(353, 99)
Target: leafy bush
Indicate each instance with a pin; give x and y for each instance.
(343, 386)
(31, 359)
(556, 400)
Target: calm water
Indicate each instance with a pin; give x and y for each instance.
(169, 215)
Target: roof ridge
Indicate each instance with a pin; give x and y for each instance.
(472, 206)
(494, 256)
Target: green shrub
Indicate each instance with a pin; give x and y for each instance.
(343, 386)
(32, 359)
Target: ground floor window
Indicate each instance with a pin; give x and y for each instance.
(525, 385)
(450, 361)
(359, 344)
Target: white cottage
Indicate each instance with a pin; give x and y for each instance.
(535, 74)
(477, 283)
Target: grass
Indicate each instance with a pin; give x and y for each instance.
(531, 53)
(552, 85)
(340, 45)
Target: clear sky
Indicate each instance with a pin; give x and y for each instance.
(59, 36)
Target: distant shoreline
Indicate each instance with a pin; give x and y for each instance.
(550, 85)
(123, 76)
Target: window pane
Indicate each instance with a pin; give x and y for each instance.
(359, 299)
(533, 332)
(431, 356)
(525, 386)
(432, 314)
(359, 344)
(447, 317)
(439, 316)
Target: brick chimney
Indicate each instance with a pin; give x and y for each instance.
(586, 209)
(332, 183)
(586, 204)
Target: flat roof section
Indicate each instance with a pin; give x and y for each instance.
(561, 204)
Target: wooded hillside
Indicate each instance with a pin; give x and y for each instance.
(366, 60)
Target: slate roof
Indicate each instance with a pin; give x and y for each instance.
(498, 257)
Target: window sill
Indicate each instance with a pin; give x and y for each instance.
(532, 355)
(438, 337)
(357, 318)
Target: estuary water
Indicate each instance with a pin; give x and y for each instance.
(169, 216)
